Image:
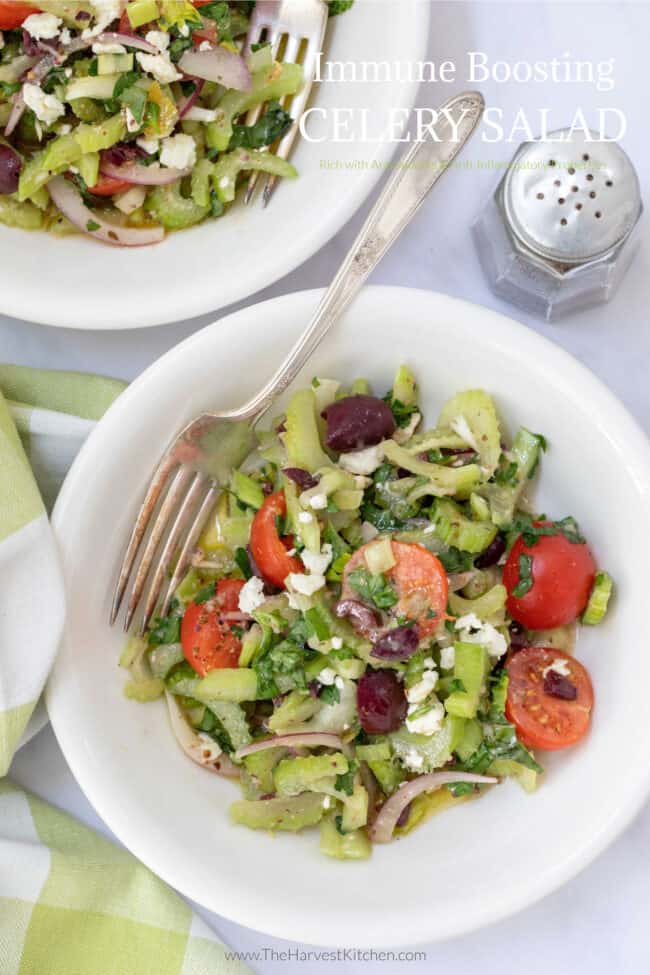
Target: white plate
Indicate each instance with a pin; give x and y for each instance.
(479, 862)
(75, 282)
(35, 724)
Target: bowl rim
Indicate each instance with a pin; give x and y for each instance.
(184, 304)
(508, 901)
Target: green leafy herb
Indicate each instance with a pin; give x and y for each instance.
(273, 124)
(383, 473)
(54, 78)
(345, 783)
(532, 529)
(178, 46)
(9, 88)
(91, 226)
(219, 12)
(382, 518)
(93, 67)
(207, 592)
(285, 658)
(216, 206)
(165, 629)
(244, 563)
(135, 99)
(401, 411)
(330, 694)
(339, 6)
(525, 576)
(258, 47)
(152, 116)
(456, 561)
(318, 623)
(456, 685)
(373, 588)
(506, 473)
(125, 81)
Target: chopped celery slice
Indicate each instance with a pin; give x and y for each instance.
(302, 438)
(435, 749)
(376, 751)
(164, 657)
(471, 667)
(248, 491)
(111, 64)
(25, 216)
(507, 768)
(470, 740)
(141, 12)
(348, 500)
(267, 85)
(387, 772)
(296, 707)
(405, 387)
(379, 556)
(427, 804)
(343, 846)
(291, 813)
(251, 643)
(355, 809)
(233, 720)
(598, 600)
(486, 607)
(172, 210)
(454, 528)
(144, 690)
(473, 416)
(295, 775)
(88, 167)
(525, 453)
(261, 764)
(441, 480)
(229, 166)
(228, 684)
(98, 87)
(67, 10)
(360, 387)
(201, 182)
(307, 531)
(479, 507)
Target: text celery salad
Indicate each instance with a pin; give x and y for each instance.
(377, 624)
(126, 120)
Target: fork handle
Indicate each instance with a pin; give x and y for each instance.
(417, 172)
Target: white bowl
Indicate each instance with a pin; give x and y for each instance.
(75, 282)
(471, 865)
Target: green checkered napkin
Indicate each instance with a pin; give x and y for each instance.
(71, 903)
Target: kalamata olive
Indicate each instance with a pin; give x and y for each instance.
(380, 702)
(122, 153)
(518, 636)
(10, 166)
(557, 685)
(301, 477)
(492, 554)
(355, 422)
(363, 619)
(398, 644)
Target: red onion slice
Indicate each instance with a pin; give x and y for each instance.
(71, 205)
(220, 65)
(143, 175)
(186, 103)
(128, 40)
(17, 110)
(381, 830)
(304, 739)
(192, 745)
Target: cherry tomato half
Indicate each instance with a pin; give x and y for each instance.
(542, 719)
(563, 575)
(107, 186)
(206, 637)
(13, 13)
(267, 547)
(419, 579)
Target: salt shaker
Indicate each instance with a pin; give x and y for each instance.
(559, 232)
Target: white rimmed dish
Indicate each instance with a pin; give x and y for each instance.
(75, 282)
(472, 865)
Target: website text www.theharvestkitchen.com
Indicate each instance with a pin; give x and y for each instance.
(326, 955)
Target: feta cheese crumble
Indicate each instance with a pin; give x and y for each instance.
(160, 67)
(106, 11)
(559, 666)
(412, 760)
(327, 676)
(150, 146)
(108, 47)
(131, 200)
(317, 564)
(251, 595)
(327, 802)
(42, 27)
(404, 434)
(158, 38)
(447, 657)
(427, 721)
(178, 152)
(305, 517)
(318, 502)
(472, 630)
(420, 691)
(205, 46)
(198, 114)
(364, 461)
(337, 643)
(132, 124)
(305, 585)
(46, 108)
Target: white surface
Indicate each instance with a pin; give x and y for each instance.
(226, 260)
(125, 757)
(598, 920)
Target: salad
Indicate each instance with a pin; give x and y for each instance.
(377, 624)
(125, 120)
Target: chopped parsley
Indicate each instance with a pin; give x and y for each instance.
(165, 629)
(92, 225)
(525, 583)
(270, 127)
(345, 783)
(330, 694)
(244, 562)
(373, 588)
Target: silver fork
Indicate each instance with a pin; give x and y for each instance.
(199, 460)
(303, 23)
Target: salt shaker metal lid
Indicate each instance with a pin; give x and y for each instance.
(558, 233)
(571, 200)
